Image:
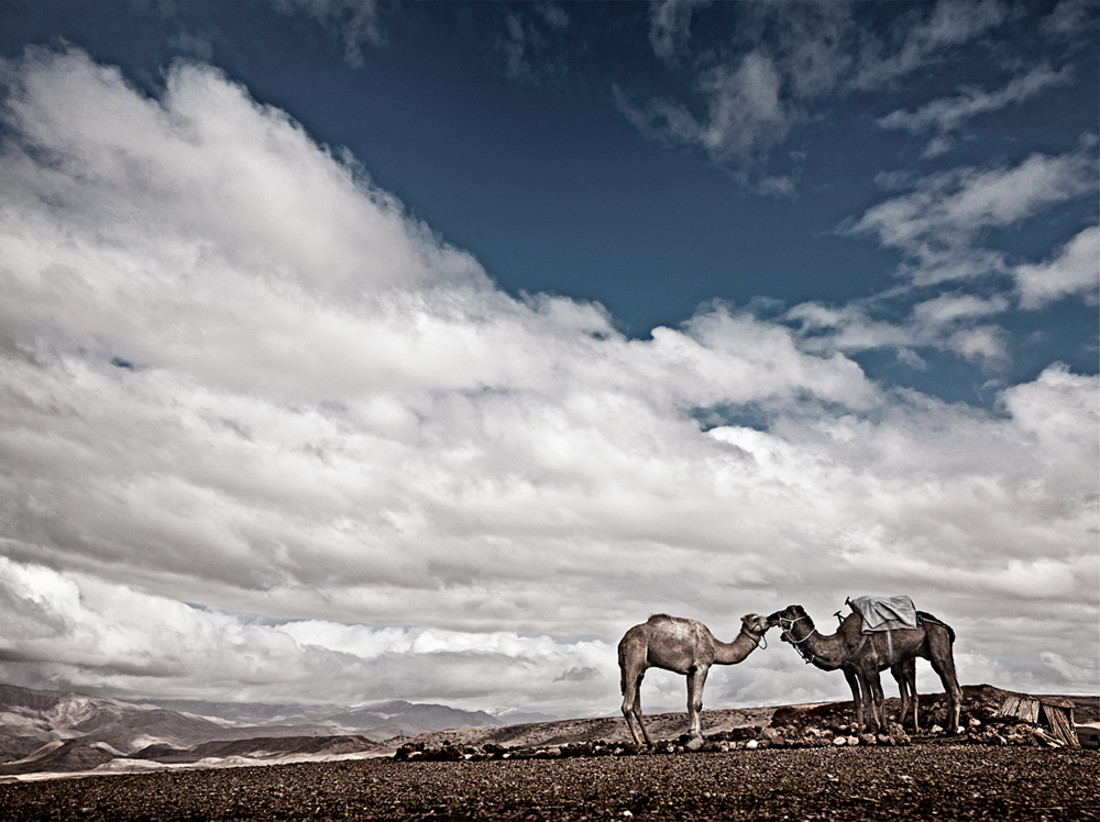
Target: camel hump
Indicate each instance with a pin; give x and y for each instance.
(924, 616)
(667, 623)
(885, 613)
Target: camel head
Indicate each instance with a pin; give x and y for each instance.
(786, 619)
(756, 623)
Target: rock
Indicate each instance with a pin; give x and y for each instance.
(898, 736)
(868, 739)
(773, 737)
(840, 741)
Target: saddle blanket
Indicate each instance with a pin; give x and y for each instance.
(885, 613)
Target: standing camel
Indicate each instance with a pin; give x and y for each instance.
(861, 656)
(686, 647)
(904, 673)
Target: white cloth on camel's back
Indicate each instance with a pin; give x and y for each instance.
(885, 613)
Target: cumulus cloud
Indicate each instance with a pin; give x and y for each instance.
(1075, 271)
(746, 114)
(110, 637)
(236, 374)
(943, 225)
(781, 61)
(923, 37)
(950, 322)
(946, 117)
(937, 224)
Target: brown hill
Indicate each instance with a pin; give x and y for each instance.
(60, 757)
(980, 702)
(261, 748)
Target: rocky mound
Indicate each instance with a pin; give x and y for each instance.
(798, 726)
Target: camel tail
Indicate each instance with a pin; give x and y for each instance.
(927, 617)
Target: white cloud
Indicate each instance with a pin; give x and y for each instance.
(948, 308)
(1070, 20)
(937, 224)
(949, 322)
(234, 373)
(782, 60)
(358, 22)
(745, 111)
(111, 637)
(527, 39)
(923, 37)
(941, 225)
(670, 26)
(1075, 271)
(946, 117)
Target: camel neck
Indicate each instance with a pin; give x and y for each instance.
(827, 652)
(730, 653)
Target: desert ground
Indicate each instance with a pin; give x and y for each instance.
(790, 763)
(893, 783)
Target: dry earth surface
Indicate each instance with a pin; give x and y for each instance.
(918, 782)
(794, 762)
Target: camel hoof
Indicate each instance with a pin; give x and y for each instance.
(695, 743)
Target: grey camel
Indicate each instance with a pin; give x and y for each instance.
(862, 656)
(686, 647)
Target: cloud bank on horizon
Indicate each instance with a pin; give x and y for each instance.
(264, 434)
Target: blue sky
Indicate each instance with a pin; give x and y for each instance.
(413, 338)
(537, 138)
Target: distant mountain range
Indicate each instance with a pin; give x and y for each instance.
(50, 733)
(65, 731)
(377, 720)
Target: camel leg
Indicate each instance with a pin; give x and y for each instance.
(632, 707)
(637, 714)
(898, 672)
(857, 697)
(874, 698)
(911, 678)
(906, 675)
(944, 665)
(627, 713)
(696, 679)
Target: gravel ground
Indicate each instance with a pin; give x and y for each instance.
(919, 782)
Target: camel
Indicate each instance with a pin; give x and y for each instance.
(686, 647)
(904, 673)
(862, 656)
